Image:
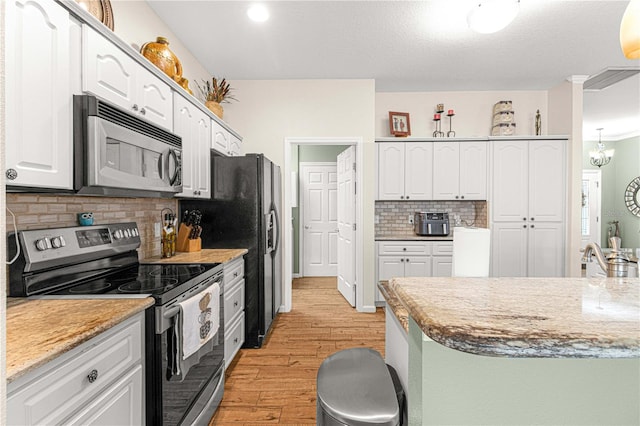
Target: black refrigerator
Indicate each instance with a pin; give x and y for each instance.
(244, 212)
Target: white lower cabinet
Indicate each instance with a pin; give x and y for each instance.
(412, 259)
(100, 382)
(233, 308)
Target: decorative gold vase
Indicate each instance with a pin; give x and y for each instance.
(215, 108)
(161, 56)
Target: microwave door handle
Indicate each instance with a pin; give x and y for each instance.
(160, 168)
(172, 153)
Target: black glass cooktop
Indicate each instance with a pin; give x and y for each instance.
(162, 281)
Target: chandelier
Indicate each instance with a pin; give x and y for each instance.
(600, 156)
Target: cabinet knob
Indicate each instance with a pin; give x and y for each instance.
(524, 226)
(401, 260)
(407, 260)
(404, 249)
(134, 107)
(11, 174)
(93, 376)
(235, 274)
(235, 304)
(402, 197)
(235, 340)
(524, 218)
(456, 197)
(532, 226)
(143, 111)
(533, 218)
(407, 197)
(462, 197)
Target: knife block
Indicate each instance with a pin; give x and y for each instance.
(183, 242)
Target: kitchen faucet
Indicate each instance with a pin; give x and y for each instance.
(616, 264)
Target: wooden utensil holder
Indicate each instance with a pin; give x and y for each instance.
(185, 244)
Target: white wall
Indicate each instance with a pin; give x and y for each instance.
(136, 23)
(268, 111)
(474, 111)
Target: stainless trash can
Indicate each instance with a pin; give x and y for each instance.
(356, 389)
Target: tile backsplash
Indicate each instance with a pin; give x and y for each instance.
(38, 211)
(392, 217)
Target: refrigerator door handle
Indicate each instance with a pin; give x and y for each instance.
(269, 225)
(276, 229)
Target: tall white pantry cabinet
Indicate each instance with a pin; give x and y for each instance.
(528, 183)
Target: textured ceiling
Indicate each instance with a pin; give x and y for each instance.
(406, 45)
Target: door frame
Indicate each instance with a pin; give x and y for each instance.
(301, 209)
(597, 174)
(289, 142)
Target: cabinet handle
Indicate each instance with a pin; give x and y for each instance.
(134, 107)
(93, 376)
(143, 111)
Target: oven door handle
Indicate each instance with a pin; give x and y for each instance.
(171, 312)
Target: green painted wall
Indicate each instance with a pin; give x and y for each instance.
(308, 154)
(624, 166)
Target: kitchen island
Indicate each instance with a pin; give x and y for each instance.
(522, 350)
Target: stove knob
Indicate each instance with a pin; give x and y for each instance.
(135, 232)
(117, 234)
(43, 244)
(127, 233)
(57, 242)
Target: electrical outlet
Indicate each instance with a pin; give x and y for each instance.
(411, 219)
(157, 229)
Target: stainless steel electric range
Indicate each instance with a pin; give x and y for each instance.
(102, 261)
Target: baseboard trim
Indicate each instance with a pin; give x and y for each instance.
(296, 276)
(368, 309)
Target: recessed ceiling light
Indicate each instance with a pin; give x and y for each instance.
(258, 13)
(491, 16)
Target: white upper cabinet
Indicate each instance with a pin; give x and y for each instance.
(41, 40)
(404, 171)
(110, 73)
(225, 142)
(460, 170)
(194, 126)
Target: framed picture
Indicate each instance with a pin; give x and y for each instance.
(399, 124)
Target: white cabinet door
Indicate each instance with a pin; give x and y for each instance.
(220, 138)
(390, 267)
(235, 146)
(418, 176)
(390, 171)
(39, 109)
(441, 266)
(193, 125)
(509, 249)
(155, 98)
(473, 170)
(114, 76)
(446, 170)
(417, 266)
(120, 404)
(547, 180)
(546, 250)
(510, 181)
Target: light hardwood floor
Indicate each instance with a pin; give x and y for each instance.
(276, 384)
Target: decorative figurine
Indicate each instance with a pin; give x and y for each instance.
(538, 123)
(85, 218)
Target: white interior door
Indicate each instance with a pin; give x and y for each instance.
(591, 225)
(319, 219)
(346, 224)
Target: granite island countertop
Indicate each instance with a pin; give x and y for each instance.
(527, 317)
(203, 256)
(413, 237)
(39, 330)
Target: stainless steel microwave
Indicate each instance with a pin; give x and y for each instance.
(118, 154)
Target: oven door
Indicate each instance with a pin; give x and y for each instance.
(119, 157)
(195, 398)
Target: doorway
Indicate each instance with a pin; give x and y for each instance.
(590, 224)
(290, 200)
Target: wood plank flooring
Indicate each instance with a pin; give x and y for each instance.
(276, 384)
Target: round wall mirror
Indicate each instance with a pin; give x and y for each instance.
(632, 196)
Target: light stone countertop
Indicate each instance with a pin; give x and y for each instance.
(203, 256)
(527, 317)
(412, 237)
(393, 303)
(39, 330)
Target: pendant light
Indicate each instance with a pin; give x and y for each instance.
(630, 30)
(491, 16)
(600, 156)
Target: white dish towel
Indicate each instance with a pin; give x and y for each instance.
(200, 319)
